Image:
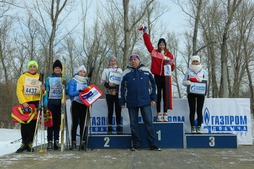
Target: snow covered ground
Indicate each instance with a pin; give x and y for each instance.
(10, 140)
(6, 137)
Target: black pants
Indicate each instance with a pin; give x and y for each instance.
(28, 130)
(113, 100)
(56, 115)
(78, 112)
(160, 83)
(194, 101)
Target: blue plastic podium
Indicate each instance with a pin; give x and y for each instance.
(168, 135)
(109, 141)
(212, 140)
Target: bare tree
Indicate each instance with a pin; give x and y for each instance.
(196, 27)
(231, 10)
(47, 15)
(128, 27)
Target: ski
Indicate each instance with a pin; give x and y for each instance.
(63, 111)
(40, 119)
(67, 139)
(86, 128)
(16, 141)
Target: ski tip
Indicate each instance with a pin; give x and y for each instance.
(43, 151)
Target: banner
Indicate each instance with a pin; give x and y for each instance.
(220, 115)
(115, 77)
(90, 95)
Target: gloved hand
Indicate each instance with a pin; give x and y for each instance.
(80, 90)
(106, 84)
(187, 82)
(143, 28)
(45, 108)
(199, 79)
(64, 82)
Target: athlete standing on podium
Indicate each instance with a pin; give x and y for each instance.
(195, 74)
(138, 92)
(160, 58)
(111, 92)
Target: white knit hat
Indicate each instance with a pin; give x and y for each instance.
(195, 57)
(81, 68)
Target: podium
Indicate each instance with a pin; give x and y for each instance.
(168, 135)
(212, 140)
(109, 141)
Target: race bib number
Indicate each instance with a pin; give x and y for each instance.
(167, 70)
(197, 88)
(31, 86)
(55, 91)
(115, 77)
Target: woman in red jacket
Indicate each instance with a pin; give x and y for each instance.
(161, 59)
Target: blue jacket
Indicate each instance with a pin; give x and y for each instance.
(46, 99)
(138, 87)
(74, 90)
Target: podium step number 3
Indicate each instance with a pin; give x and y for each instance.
(211, 140)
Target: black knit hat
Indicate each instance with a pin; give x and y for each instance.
(57, 63)
(162, 40)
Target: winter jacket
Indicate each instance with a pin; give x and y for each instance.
(74, 87)
(158, 59)
(53, 86)
(137, 87)
(111, 90)
(28, 88)
(192, 75)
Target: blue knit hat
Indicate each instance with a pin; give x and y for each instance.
(134, 55)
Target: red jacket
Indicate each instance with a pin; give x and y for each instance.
(158, 59)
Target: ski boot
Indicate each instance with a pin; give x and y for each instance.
(73, 145)
(30, 147)
(193, 129)
(56, 145)
(22, 148)
(50, 145)
(165, 117)
(199, 130)
(119, 129)
(110, 129)
(159, 117)
(82, 145)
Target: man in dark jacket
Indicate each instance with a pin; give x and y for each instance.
(138, 92)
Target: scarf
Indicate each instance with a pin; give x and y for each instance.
(80, 79)
(196, 68)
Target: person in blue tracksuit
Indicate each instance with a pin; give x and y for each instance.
(78, 109)
(52, 101)
(138, 92)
